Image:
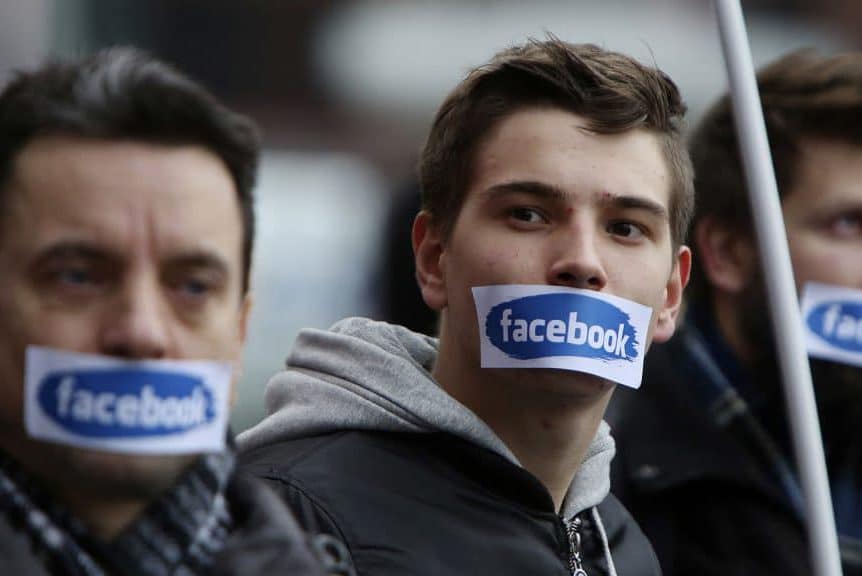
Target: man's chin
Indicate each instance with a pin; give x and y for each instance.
(555, 381)
(117, 475)
(838, 388)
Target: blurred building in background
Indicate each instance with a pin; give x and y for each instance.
(344, 91)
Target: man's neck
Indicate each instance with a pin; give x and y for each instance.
(547, 422)
(104, 518)
(105, 512)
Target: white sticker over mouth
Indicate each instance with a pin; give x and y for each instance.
(539, 326)
(832, 316)
(129, 406)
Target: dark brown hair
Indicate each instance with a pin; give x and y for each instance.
(122, 93)
(803, 95)
(612, 91)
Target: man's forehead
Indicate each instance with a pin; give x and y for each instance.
(554, 146)
(828, 172)
(77, 190)
(98, 160)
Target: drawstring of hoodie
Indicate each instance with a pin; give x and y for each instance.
(612, 571)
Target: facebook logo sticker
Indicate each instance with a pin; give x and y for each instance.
(111, 404)
(527, 326)
(832, 316)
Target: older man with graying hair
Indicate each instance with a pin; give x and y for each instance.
(126, 229)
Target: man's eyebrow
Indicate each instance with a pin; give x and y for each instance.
(65, 250)
(637, 203)
(529, 187)
(542, 190)
(839, 206)
(75, 249)
(199, 258)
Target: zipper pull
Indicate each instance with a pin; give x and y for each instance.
(573, 529)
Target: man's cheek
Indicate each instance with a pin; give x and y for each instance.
(828, 267)
(216, 339)
(12, 390)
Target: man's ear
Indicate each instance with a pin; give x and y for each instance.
(676, 283)
(428, 254)
(728, 258)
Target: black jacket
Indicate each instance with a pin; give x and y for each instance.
(436, 505)
(700, 477)
(267, 540)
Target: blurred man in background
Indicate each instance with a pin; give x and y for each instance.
(705, 461)
(556, 166)
(126, 230)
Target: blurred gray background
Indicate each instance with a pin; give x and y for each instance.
(344, 91)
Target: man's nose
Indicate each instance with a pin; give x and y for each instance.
(138, 326)
(576, 261)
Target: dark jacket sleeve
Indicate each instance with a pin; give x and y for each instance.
(324, 534)
(272, 465)
(266, 539)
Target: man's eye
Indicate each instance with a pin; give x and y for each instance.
(78, 277)
(74, 280)
(625, 229)
(194, 288)
(846, 225)
(529, 215)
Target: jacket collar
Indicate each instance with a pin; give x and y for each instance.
(687, 423)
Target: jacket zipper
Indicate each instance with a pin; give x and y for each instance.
(573, 531)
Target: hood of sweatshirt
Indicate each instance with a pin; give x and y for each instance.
(368, 375)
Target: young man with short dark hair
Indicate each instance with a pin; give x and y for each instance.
(705, 461)
(554, 166)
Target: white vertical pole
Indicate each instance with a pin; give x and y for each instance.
(781, 288)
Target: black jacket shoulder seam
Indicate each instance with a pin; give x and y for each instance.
(321, 442)
(297, 485)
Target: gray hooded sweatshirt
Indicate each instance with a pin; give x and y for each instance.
(368, 375)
